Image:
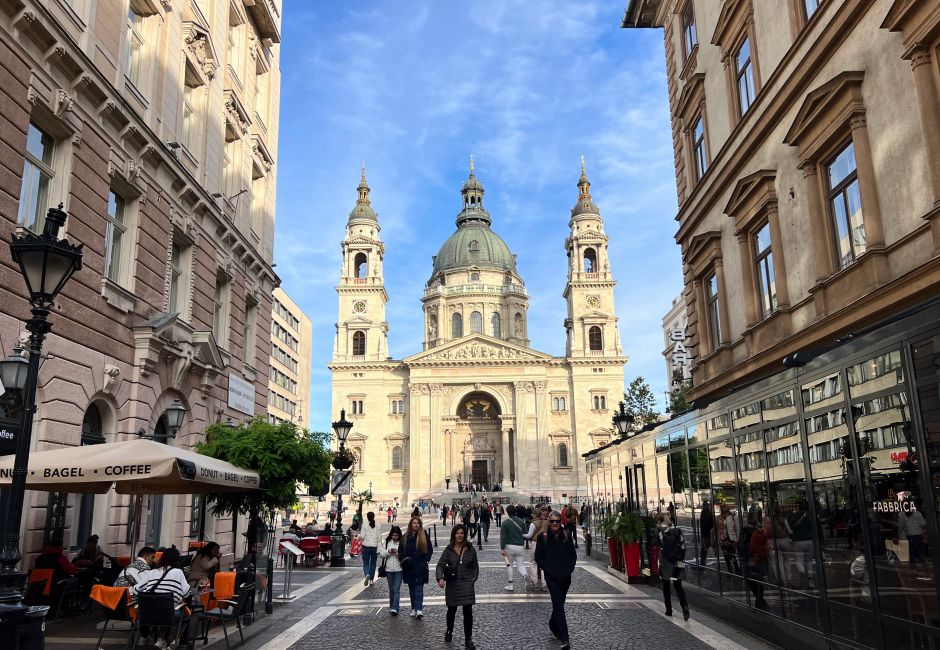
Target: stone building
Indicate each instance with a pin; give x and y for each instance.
(155, 123)
(476, 404)
(676, 349)
(289, 383)
(807, 155)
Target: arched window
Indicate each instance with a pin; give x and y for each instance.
(564, 406)
(456, 326)
(359, 343)
(590, 260)
(92, 434)
(396, 457)
(495, 329)
(154, 512)
(562, 454)
(474, 246)
(476, 323)
(595, 339)
(361, 265)
(517, 325)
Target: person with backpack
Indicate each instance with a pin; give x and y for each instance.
(672, 563)
(556, 556)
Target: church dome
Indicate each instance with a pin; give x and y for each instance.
(474, 244)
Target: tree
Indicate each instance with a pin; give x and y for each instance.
(640, 403)
(283, 456)
(677, 403)
(362, 497)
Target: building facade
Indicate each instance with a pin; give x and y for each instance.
(808, 182)
(155, 124)
(291, 342)
(476, 404)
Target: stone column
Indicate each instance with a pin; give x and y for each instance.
(417, 436)
(541, 436)
(867, 183)
(746, 253)
(928, 101)
(780, 267)
(723, 302)
(520, 391)
(435, 473)
(818, 221)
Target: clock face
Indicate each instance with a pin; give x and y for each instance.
(359, 306)
(593, 302)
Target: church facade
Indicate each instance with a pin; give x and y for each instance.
(476, 404)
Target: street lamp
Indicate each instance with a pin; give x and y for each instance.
(13, 370)
(622, 420)
(46, 264)
(341, 428)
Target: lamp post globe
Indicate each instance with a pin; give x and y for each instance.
(622, 420)
(13, 371)
(175, 413)
(46, 264)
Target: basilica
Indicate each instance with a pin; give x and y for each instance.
(476, 404)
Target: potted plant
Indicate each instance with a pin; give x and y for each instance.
(630, 531)
(609, 528)
(343, 458)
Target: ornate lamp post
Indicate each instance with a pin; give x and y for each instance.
(46, 263)
(622, 420)
(341, 428)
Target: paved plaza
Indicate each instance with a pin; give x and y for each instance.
(333, 609)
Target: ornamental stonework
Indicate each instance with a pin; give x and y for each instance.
(478, 351)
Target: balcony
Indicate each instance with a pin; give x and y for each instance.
(267, 16)
(497, 289)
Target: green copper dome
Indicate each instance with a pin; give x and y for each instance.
(474, 244)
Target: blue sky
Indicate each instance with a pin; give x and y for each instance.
(413, 88)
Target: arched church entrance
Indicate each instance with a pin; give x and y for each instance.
(478, 426)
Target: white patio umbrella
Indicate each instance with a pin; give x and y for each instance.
(133, 467)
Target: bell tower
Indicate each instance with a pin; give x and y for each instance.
(591, 326)
(361, 330)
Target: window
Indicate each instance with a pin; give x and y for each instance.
(474, 277)
(134, 53)
(220, 312)
(361, 265)
(562, 454)
(92, 434)
(37, 177)
(595, 338)
(248, 332)
(177, 290)
(811, 6)
(283, 380)
(712, 307)
(261, 95)
(456, 326)
(191, 99)
(292, 321)
(229, 169)
(398, 407)
(114, 236)
(284, 336)
(356, 407)
(744, 76)
(689, 35)
(845, 205)
(285, 359)
(495, 325)
(476, 323)
(558, 404)
(698, 147)
(474, 246)
(600, 402)
(764, 260)
(359, 343)
(235, 54)
(396, 457)
(590, 261)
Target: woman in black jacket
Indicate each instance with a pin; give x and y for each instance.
(457, 571)
(415, 553)
(556, 556)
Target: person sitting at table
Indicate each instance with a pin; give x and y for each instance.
(310, 530)
(90, 556)
(166, 578)
(53, 558)
(205, 564)
(327, 530)
(294, 527)
(130, 576)
(291, 535)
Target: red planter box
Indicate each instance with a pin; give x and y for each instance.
(654, 561)
(631, 559)
(616, 554)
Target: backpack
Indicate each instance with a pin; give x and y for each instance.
(671, 550)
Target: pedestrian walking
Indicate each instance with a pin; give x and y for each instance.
(389, 513)
(392, 568)
(485, 518)
(512, 537)
(457, 571)
(371, 538)
(571, 522)
(556, 556)
(498, 514)
(706, 526)
(540, 524)
(672, 563)
(415, 553)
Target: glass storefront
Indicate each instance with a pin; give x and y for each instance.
(810, 497)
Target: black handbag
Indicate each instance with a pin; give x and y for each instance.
(450, 573)
(382, 571)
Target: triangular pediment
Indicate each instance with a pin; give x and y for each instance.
(844, 86)
(594, 314)
(358, 320)
(476, 348)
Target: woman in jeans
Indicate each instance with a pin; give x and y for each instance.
(389, 555)
(457, 571)
(371, 538)
(414, 553)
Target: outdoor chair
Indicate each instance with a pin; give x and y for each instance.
(326, 546)
(158, 612)
(39, 586)
(281, 553)
(116, 602)
(228, 609)
(311, 548)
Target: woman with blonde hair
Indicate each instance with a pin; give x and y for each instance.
(414, 552)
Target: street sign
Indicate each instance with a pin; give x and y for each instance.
(340, 483)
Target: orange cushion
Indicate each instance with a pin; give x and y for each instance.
(38, 575)
(109, 597)
(224, 588)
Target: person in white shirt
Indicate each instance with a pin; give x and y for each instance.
(166, 579)
(371, 539)
(130, 576)
(393, 572)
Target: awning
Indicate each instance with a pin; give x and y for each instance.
(133, 467)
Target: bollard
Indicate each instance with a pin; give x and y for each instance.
(434, 526)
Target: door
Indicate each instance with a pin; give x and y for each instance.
(479, 474)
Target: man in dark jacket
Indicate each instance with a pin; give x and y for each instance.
(556, 556)
(485, 517)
